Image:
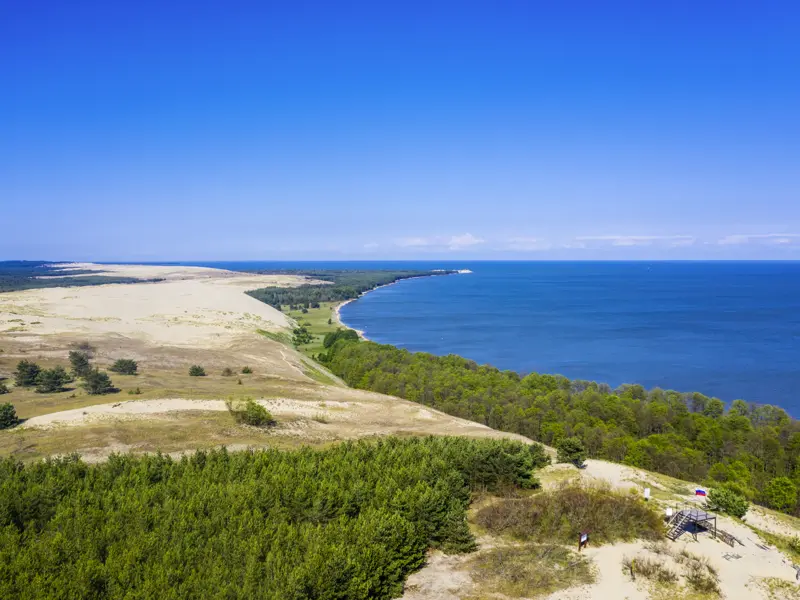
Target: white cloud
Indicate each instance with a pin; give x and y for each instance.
(527, 243)
(759, 238)
(640, 240)
(465, 240)
(453, 242)
(414, 242)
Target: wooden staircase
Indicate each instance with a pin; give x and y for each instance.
(677, 525)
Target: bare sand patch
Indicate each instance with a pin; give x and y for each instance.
(193, 306)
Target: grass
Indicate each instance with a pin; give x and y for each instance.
(529, 571)
(790, 546)
(700, 576)
(172, 432)
(157, 384)
(779, 589)
(316, 321)
(558, 516)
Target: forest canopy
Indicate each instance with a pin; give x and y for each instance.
(685, 435)
(344, 285)
(351, 521)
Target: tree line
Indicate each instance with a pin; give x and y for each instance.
(749, 449)
(351, 521)
(344, 285)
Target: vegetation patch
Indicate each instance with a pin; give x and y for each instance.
(351, 521)
(249, 412)
(125, 366)
(530, 571)
(562, 514)
(669, 567)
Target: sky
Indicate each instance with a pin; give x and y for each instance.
(192, 131)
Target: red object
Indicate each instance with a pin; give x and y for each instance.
(699, 492)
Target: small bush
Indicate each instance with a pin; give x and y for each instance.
(227, 372)
(726, 501)
(3, 388)
(97, 382)
(702, 579)
(125, 366)
(247, 371)
(52, 380)
(239, 381)
(135, 392)
(571, 450)
(250, 412)
(560, 515)
(197, 371)
(80, 363)
(26, 373)
(8, 416)
(87, 348)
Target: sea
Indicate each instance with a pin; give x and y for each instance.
(725, 329)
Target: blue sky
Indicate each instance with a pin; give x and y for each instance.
(296, 130)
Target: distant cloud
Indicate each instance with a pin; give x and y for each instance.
(457, 242)
(527, 243)
(371, 246)
(640, 240)
(777, 239)
(454, 242)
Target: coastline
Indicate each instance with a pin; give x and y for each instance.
(361, 334)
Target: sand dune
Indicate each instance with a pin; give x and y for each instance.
(192, 306)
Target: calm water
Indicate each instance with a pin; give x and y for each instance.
(730, 330)
(727, 329)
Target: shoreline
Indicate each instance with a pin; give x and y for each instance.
(363, 335)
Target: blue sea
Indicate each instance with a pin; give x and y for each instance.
(726, 329)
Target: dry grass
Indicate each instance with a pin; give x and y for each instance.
(700, 576)
(560, 515)
(529, 571)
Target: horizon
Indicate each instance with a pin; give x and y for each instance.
(422, 132)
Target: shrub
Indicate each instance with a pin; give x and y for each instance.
(649, 568)
(247, 371)
(726, 501)
(517, 571)
(26, 373)
(780, 493)
(3, 388)
(97, 382)
(227, 372)
(52, 380)
(571, 450)
(80, 363)
(135, 392)
(560, 515)
(125, 366)
(197, 371)
(8, 416)
(87, 348)
(250, 412)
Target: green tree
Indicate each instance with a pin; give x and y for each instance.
(727, 501)
(96, 382)
(780, 493)
(8, 416)
(52, 380)
(571, 450)
(247, 371)
(26, 373)
(125, 366)
(80, 363)
(197, 371)
(3, 388)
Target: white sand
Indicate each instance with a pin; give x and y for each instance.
(194, 306)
